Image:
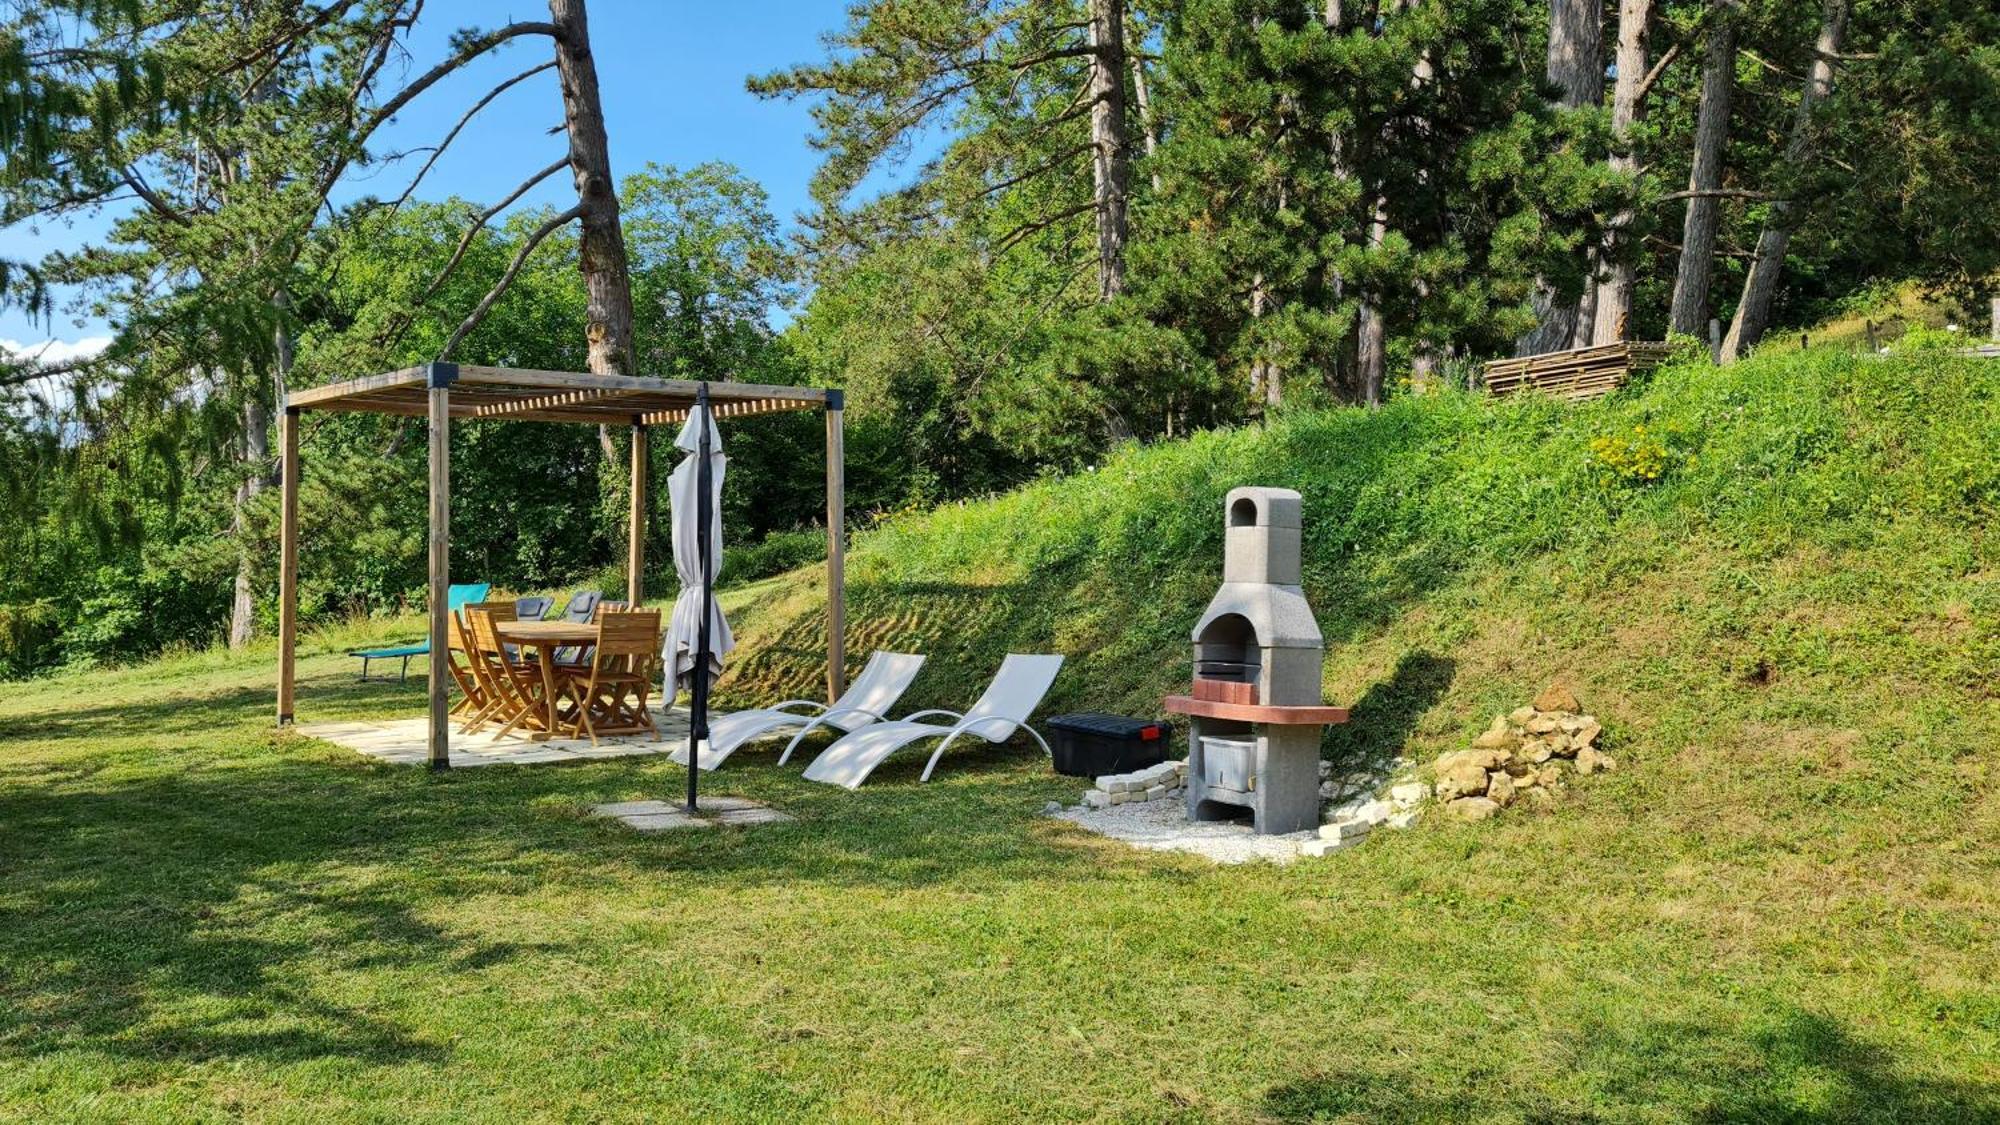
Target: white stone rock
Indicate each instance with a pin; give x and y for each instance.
(1404, 819)
(1155, 792)
(1408, 793)
(1124, 796)
(1097, 799)
(1347, 809)
(1373, 812)
(1104, 783)
(1052, 808)
(1347, 830)
(1326, 847)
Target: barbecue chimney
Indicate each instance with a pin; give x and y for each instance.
(1258, 659)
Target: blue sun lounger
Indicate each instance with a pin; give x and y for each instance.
(459, 598)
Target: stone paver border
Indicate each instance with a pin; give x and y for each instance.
(667, 816)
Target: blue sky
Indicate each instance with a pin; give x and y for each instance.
(671, 74)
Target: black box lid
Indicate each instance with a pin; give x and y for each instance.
(1110, 726)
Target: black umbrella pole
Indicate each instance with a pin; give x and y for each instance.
(704, 516)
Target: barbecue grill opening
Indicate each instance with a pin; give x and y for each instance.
(1243, 513)
(1228, 649)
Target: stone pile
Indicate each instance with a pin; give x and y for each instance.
(1350, 823)
(1162, 782)
(1522, 757)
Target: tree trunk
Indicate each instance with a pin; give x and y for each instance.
(1267, 376)
(607, 281)
(256, 457)
(1575, 67)
(1614, 291)
(256, 450)
(1711, 132)
(1148, 128)
(1586, 302)
(1111, 162)
(1371, 352)
(1753, 312)
(1340, 376)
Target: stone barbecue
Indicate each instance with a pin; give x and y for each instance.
(1255, 707)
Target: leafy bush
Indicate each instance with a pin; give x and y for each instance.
(1637, 457)
(775, 554)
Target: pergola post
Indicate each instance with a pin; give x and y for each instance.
(288, 563)
(635, 547)
(439, 380)
(836, 546)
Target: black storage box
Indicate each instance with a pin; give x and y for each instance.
(1091, 744)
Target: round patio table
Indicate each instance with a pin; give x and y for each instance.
(545, 637)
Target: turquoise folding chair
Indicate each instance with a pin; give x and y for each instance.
(458, 598)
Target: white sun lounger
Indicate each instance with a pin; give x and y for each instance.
(1016, 691)
(867, 699)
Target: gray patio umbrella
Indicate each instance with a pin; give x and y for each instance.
(698, 635)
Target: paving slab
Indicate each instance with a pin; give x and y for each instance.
(629, 808)
(743, 818)
(405, 742)
(665, 822)
(662, 816)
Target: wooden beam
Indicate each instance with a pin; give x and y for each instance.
(440, 572)
(288, 563)
(635, 546)
(836, 549)
(313, 396)
(577, 380)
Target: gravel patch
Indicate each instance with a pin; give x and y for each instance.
(1164, 826)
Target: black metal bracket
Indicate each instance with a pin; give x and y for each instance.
(439, 374)
(836, 399)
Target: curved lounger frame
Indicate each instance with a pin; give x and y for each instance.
(878, 687)
(1014, 694)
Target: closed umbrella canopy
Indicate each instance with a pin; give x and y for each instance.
(684, 493)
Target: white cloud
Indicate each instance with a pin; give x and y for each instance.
(55, 351)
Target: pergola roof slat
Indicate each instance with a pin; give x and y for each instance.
(553, 396)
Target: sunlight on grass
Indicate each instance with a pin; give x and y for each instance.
(1779, 908)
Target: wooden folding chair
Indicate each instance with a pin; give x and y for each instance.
(610, 695)
(459, 660)
(505, 700)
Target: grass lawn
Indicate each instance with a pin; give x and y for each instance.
(1781, 907)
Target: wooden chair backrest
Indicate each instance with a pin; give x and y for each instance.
(481, 619)
(622, 633)
(454, 632)
(597, 615)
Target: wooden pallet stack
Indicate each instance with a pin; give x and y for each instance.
(1578, 373)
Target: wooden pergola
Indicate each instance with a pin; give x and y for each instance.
(444, 392)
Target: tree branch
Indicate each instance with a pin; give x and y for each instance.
(1021, 232)
(153, 199)
(485, 217)
(1653, 75)
(472, 49)
(1767, 64)
(469, 115)
(507, 279)
(21, 374)
(1716, 193)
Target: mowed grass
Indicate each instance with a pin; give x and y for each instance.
(1781, 907)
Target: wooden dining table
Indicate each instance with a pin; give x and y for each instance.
(545, 637)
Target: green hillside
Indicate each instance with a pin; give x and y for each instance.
(1779, 595)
